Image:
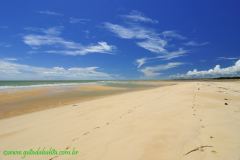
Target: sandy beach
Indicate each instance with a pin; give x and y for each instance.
(192, 120)
(20, 101)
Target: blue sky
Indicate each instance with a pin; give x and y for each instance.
(124, 39)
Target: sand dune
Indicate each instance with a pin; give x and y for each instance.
(189, 120)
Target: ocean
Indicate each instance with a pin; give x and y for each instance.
(43, 83)
(49, 83)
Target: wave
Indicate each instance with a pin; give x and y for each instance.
(43, 85)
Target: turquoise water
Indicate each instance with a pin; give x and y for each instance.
(46, 83)
(19, 84)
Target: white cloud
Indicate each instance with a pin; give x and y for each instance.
(174, 54)
(195, 44)
(147, 38)
(137, 16)
(141, 61)
(51, 38)
(155, 71)
(51, 13)
(170, 55)
(48, 31)
(10, 59)
(14, 71)
(217, 71)
(150, 40)
(173, 34)
(78, 20)
(227, 58)
(131, 32)
(100, 47)
(156, 45)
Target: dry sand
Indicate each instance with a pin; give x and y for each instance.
(187, 121)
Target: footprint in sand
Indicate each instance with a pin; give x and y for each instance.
(211, 137)
(67, 147)
(75, 105)
(53, 158)
(130, 111)
(107, 123)
(213, 151)
(86, 133)
(75, 139)
(225, 102)
(97, 127)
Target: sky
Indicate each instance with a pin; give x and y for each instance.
(119, 39)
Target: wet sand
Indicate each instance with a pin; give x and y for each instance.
(189, 120)
(21, 101)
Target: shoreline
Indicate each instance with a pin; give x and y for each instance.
(27, 100)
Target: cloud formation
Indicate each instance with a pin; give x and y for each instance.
(154, 71)
(51, 37)
(155, 45)
(137, 16)
(227, 58)
(195, 44)
(148, 38)
(173, 34)
(171, 55)
(159, 43)
(10, 70)
(130, 32)
(217, 71)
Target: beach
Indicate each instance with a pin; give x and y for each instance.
(180, 120)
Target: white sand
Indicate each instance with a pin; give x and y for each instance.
(164, 123)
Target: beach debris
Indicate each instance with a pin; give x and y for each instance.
(197, 149)
(211, 137)
(226, 103)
